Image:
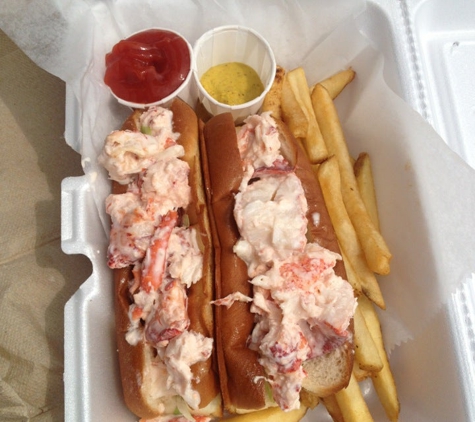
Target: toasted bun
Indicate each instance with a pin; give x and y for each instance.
(137, 362)
(238, 365)
(329, 373)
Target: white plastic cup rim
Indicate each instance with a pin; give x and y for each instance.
(169, 98)
(240, 108)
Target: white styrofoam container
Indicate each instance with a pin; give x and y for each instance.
(429, 51)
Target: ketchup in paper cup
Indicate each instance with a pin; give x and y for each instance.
(233, 44)
(150, 67)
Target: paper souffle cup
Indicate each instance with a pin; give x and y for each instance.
(183, 91)
(233, 43)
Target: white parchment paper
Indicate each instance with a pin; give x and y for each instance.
(426, 193)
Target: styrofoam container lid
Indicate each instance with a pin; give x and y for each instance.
(183, 91)
(233, 43)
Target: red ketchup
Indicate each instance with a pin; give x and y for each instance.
(147, 66)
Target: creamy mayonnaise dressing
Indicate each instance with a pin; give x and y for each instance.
(131, 229)
(185, 261)
(270, 214)
(165, 186)
(165, 256)
(259, 145)
(182, 352)
(302, 308)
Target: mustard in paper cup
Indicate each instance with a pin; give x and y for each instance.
(232, 45)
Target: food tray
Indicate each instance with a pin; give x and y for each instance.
(429, 61)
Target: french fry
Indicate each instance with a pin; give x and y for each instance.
(308, 399)
(329, 178)
(383, 380)
(292, 113)
(272, 100)
(366, 352)
(374, 246)
(365, 182)
(271, 414)
(352, 275)
(333, 409)
(360, 374)
(352, 404)
(297, 112)
(337, 82)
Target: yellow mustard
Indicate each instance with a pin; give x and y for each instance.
(232, 83)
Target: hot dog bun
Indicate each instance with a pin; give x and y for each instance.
(138, 362)
(238, 365)
(241, 373)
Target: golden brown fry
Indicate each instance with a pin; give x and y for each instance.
(314, 144)
(297, 112)
(351, 275)
(383, 380)
(365, 182)
(272, 414)
(352, 404)
(366, 352)
(337, 82)
(360, 374)
(272, 100)
(308, 399)
(374, 246)
(329, 179)
(292, 113)
(333, 409)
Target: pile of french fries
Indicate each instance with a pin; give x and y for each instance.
(348, 189)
